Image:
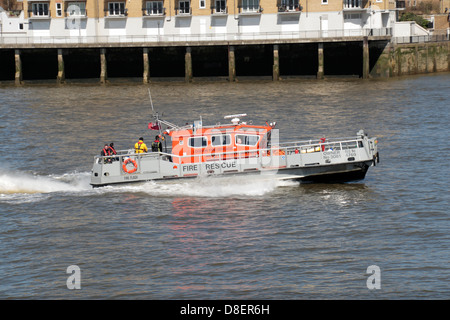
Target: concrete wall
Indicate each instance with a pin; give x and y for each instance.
(408, 59)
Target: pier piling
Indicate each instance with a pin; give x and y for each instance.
(61, 73)
(276, 63)
(366, 65)
(103, 66)
(146, 76)
(188, 64)
(320, 69)
(18, 61)
(231, 64)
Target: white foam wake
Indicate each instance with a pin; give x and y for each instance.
(23, 183)
(14, 185)
(213, 187)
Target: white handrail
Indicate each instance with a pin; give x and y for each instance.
(306, 34)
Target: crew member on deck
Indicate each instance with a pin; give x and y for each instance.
(111, 149)
(106, 151)
(140, 146)
(156, 145)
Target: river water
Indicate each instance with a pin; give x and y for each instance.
(225, 238)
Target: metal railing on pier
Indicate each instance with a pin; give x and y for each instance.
(422, 39)
(211, 37)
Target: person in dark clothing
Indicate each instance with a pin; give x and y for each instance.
(156, 145)
(106, 151)
(111, 149)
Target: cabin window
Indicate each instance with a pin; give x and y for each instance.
(221, 140)
(349, 145)
(246, 140)
(198, 142)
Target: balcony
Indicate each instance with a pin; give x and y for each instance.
(250, 10)
(183, 11)
(219, 10)
(356, 5)
(289, 6)
(39, 10)
(115, 10)
(151, 13)
(80, 13)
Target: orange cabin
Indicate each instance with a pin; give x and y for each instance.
(218, 142)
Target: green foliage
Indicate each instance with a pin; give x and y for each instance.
(409, 16)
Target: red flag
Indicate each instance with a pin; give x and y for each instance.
(153, 126)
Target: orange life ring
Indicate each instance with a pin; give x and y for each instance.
(124, 166)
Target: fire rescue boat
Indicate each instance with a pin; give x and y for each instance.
(237, 148)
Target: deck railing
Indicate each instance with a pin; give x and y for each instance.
(274, 157)
(94, 40)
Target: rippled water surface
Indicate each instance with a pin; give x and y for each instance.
(225, 238)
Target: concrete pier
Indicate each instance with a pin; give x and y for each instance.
(103, 66)
(18, 61)
(377, 58)
(320, 68)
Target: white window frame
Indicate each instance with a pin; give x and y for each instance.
(202, 4)
(184, 10)
(154, 8)
(325, 2)
(116, 8)
(37, 12)
(59, 9)
(218, 8)
(290, 5)
(250, 5)
(79, 12)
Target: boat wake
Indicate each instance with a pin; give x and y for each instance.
(25, 187)
(17, 183)
(210, 187)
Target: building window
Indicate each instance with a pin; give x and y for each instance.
(154, 8)
(288, 5)
(76, 9)
(58, 9)
(184, 6)
(40, 9)
(324, 1)
(116, 8)
(250, 5)
(202, 4)
(220, 6)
